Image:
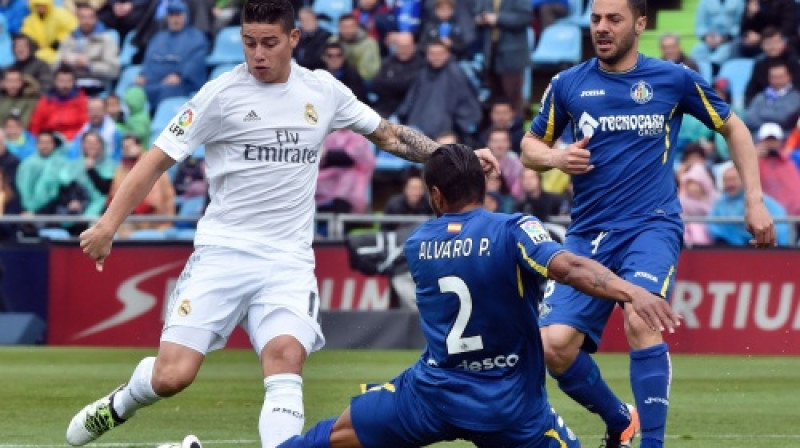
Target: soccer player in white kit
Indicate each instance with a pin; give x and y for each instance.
(262, 125)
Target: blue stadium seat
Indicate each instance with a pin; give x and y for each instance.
(527, 75)
(559, 43)
(705, 70)
(148, 234)
(578, 13)
(127, 78)
(737, 71)
(54, 233)
(329, 12)
(166, 109)
(192, 207)
(128, 50)
(227, 47)
(220, 69)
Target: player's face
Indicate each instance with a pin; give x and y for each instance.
(614, 30)
(268, 50)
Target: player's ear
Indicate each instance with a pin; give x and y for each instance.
(641, 24)
(294, 37)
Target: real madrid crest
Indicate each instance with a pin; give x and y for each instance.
(311, 114)
(641, 92)
(185, 308)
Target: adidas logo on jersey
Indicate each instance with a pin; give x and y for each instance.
(252, 116)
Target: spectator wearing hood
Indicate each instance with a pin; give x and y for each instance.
(39, 177)
(27, 62)
(731, 205)
(441, 99)
(103, 125)
(92, 170)
(780, 177)
(697, 195)
(362, 51)
(48, 25)
(19, 141)
(175, 59)
(345, 173)
(91, 51)
(14, 11)
(18, 95)
(63, 109)
(130, 113)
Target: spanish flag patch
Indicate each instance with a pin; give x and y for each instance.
(454, 227)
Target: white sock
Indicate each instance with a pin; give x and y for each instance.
(282, 415)
(138, 393)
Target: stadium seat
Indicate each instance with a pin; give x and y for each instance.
(527, 75)
(220, 69)
(191, 207)
(127, 78)
(705, 70)
(578, 13)
(128, 50)
(227, 47)
(385, 161)
(737, 71)
(559, 43)
(329, 12)
(54, 233)
(148, 234)
(167, 109)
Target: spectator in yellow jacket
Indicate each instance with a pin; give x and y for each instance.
(48, 25)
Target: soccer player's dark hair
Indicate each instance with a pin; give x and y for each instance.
(269, 12)
(456, 171)
(638, 7)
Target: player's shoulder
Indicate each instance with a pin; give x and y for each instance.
(576, 71)
(225, 83)
(665, 69)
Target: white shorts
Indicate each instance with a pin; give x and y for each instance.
(221, 287)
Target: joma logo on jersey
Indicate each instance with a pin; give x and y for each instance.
(499, 361)
(593, 92)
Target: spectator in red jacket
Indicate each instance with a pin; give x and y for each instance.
(63, 109)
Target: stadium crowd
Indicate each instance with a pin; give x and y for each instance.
(88, 85)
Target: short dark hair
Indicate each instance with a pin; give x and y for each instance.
(437, 41)
(778, 63)
(456, 171)
(64, 69)
(133, 137)
(84, 5)
(638, 7)
(497, 130)
(344, 17)
(500, 100)
(771, 31)
(334, 46)
(270, 12)
(12, 117)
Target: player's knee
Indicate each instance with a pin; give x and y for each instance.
(170, 378)
(283, 354)
(559, 352)
(639, 334)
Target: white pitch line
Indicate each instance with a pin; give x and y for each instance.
(687, 437)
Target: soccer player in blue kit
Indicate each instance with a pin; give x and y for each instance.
(481, 376)
(624, 111)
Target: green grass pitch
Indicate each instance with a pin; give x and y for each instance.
(716, 401)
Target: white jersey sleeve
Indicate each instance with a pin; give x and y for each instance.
(197, 123)
(352, 113)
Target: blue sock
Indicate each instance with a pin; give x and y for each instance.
(582, 382)
(651, 373)
(317, 437)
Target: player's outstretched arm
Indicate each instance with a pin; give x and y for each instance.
(594, 279)
(96, 241)
(539, 155)
(415, 146)
(757, 219)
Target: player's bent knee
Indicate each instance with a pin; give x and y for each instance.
(169, 378)
(561, 346)
(283, 354)
(639, 335)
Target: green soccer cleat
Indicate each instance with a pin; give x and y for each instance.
(93, 421)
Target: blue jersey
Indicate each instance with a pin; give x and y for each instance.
(477, 295)
(632, 119)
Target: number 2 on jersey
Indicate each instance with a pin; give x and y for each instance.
(455, 343)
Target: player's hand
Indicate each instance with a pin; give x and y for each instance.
(489, 162)
(655, 311)
(574, 159)
(96, 243)
(759, 223)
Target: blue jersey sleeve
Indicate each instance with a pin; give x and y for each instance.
(552, 118)
(702, 102)
(535, 248)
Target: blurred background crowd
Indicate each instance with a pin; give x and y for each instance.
(88, 85)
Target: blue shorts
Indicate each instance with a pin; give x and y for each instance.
(646, 256)
(390, 415)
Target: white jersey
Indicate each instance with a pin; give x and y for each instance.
(263, 144)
